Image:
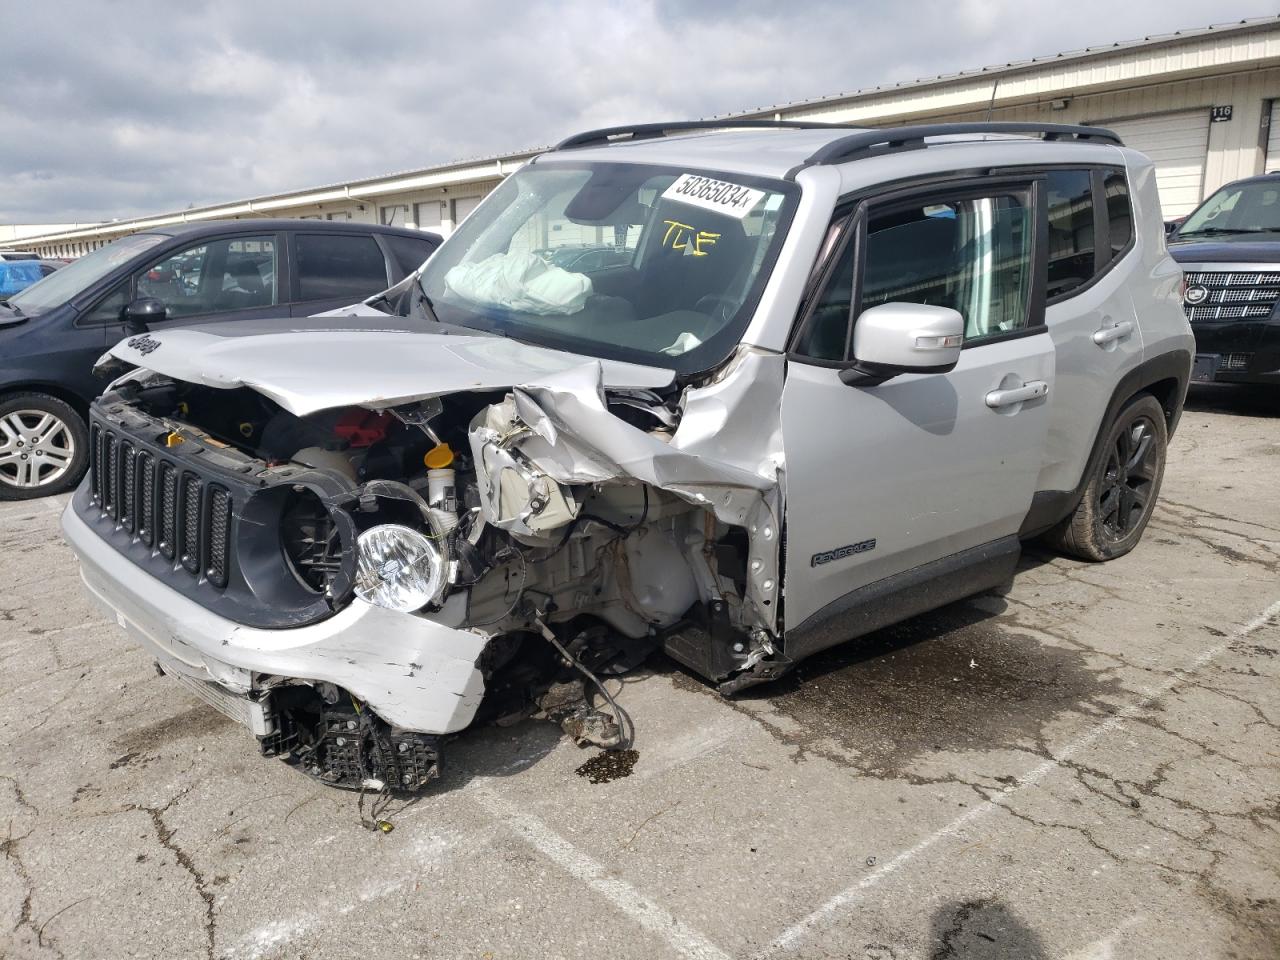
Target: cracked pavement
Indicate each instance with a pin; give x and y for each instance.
(1085, 765)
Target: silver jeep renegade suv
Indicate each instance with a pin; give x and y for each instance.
(793, 383)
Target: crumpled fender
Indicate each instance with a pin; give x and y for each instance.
(726, 454)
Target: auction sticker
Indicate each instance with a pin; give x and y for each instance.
(730, 199)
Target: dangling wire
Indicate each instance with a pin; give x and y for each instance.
(626, 728)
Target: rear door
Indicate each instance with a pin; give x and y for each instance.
(1090, 316)
(332, 270)
(882, 480)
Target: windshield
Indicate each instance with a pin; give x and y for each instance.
(73, 279)
(1237, 208)
(654, 265)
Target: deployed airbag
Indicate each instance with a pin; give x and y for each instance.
(520, 281)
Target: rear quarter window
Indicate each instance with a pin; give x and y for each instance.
(1119, 211)
(1072, 230)
(409, 252)
(332, 266)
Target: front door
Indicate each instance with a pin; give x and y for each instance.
(882, 480)
(216, 279)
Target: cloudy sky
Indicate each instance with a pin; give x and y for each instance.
(112, 109)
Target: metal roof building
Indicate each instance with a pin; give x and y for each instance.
(1201, 103)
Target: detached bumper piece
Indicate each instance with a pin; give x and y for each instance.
(347, 746)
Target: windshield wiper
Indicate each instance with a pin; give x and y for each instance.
(17, 310)
(1219, 231)
(424, 302)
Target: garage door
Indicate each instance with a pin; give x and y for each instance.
(1273, 139)
(463, 206)
(1178, 143)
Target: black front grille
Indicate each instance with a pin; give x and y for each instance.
(1242, 295)
(128, 485)
(111, 477)
(168, 510)
(189, 550)
(147, 499)
(163, 504)
(219, 535)
(214, 523)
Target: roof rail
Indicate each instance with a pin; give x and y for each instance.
(651, 131)
(893, 139)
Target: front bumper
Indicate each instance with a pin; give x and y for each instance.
(1242, 351)
(415, 673)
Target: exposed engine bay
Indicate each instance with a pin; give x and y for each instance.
(570, 529)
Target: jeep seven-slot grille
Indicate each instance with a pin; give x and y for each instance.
(1242, 295)
(164, 505)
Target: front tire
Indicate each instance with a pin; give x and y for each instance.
(1122, 490)
(44, 446)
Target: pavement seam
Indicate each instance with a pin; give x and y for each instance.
(845, 898)
(649, 915)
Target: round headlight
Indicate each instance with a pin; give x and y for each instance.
(399, 568)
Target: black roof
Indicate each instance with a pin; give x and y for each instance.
(257, 224)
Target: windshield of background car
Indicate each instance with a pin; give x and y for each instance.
(73, 279)
(1237, 208)
(653, 265)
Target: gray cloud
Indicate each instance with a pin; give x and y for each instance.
(115, 109)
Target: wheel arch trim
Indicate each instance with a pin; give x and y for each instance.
(1166, 377)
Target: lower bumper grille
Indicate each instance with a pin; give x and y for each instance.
(257, 716)
(1235, 362)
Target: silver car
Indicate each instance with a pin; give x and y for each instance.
(834, 378)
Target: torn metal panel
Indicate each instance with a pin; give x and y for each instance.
(725, 455)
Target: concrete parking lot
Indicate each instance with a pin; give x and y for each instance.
(1087, 766)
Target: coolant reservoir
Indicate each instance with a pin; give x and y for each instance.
(442, 497)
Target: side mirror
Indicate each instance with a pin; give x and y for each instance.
(141, 313)
(896, 338)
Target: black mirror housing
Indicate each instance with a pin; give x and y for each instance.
(141, 313)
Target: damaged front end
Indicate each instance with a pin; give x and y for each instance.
(363, 581)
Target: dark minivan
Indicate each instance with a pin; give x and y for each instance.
(1229, 250)
(53, 332)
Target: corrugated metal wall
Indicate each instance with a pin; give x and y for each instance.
(1235, 148)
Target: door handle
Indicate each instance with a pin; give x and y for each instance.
(1031, 390)
(1118, 332)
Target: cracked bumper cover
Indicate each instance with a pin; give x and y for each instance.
(415, 673)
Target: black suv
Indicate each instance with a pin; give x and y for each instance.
(52, 332)
(1229, 249)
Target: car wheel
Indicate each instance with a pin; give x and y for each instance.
(44, 446)
(1121, 493)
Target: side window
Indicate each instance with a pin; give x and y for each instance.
(1072, 230)
(1119, 212)
(110, 308)
(215, 277)
(408, 252)
(824, 336)
(972, 254)
(337, 265)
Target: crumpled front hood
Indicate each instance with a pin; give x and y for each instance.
(327, 364)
